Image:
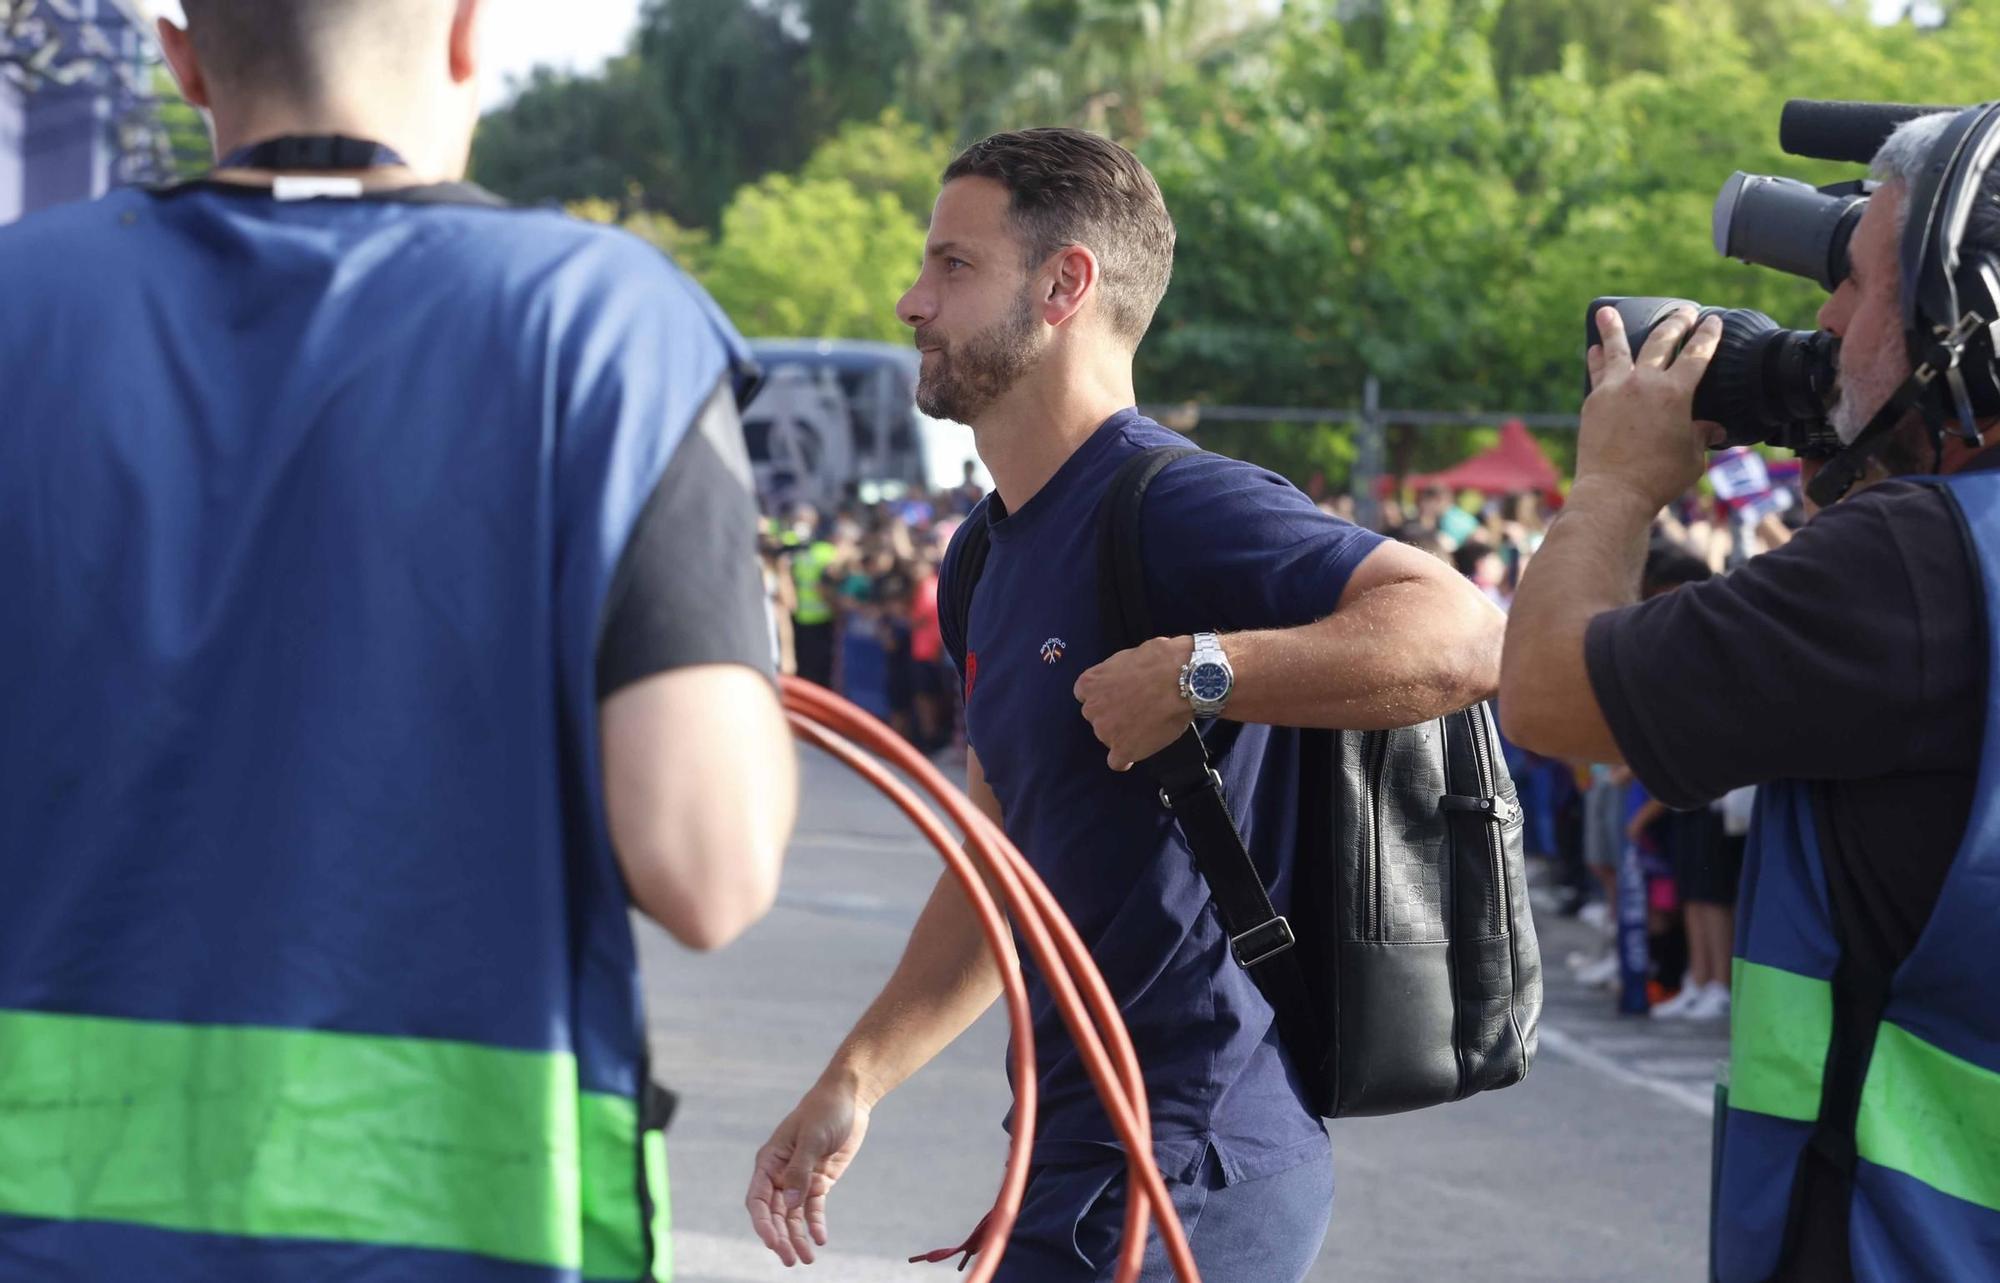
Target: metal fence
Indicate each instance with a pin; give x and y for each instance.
(1371, 421)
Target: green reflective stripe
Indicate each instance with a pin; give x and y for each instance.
(612, 1246)
(1779, 1034)
(290, 1133)
(1930, 1115)
(663, 1215)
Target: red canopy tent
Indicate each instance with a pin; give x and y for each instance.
(1513, 465)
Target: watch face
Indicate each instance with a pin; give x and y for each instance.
(1209, 682)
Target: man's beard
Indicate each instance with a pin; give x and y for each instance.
(963, 380)
(1861, 398)
(1908, 450)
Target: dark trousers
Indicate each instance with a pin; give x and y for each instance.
(1257, 1231)
(812, 644)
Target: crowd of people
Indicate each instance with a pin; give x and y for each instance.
(854, 604)
(854, 594)
(1589, 820)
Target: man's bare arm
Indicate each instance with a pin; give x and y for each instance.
(946, 979)
(1590, 563)
(699, 821)
(1410, 640)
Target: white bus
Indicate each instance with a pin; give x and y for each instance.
(836, 418)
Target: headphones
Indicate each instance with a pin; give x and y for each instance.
(1951, 305)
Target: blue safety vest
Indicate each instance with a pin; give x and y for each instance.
(315, 958)
(1897, 1081)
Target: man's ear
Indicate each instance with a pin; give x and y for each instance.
(178, 47)
(1073, 283)
(465, 26)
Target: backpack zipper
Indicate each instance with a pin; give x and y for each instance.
(1371, 838)
(1503, 815)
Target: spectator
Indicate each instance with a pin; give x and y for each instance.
(1484, 567)
(1424, 539)
(813, 559)
(1455, 522)
(932, 670)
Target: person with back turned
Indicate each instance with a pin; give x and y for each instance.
(359, 677)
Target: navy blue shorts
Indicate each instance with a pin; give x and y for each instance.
(1267, 1230)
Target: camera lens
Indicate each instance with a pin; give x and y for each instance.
(1764, 384)
(1788, 225)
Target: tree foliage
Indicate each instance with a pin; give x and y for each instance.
(1429, 191)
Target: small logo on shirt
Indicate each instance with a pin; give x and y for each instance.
(1052, 650)
(971, 672)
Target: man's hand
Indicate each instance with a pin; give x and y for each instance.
(1133, 701)
(1638, 428)
(797, 1168)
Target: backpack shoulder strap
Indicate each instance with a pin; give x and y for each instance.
(964, 562)
(1121, 565)
(1189, 784)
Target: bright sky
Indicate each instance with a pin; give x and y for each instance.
(523, 33)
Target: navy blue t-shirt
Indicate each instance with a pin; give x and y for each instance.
(1229, 547)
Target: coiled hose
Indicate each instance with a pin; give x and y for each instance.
(827, 722)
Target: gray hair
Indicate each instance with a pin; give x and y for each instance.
(1903, 154)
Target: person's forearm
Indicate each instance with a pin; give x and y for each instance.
(1358, 669)
(1650, 812)
(946, 979)
(1591, 562)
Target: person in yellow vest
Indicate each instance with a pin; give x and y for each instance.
(813, 615)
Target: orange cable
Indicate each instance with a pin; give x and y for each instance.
(829, 722)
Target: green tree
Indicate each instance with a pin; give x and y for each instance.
(567, 137)
(728, 80)
(1334, 223)
(889, 156)
(688, 247)
(857, 53)
(814, 257)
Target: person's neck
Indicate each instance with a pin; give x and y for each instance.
(419, 147)
(1032, 431)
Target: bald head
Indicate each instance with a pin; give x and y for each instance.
(307, 51)
(399, 72)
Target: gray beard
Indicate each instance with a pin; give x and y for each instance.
(1858, 404)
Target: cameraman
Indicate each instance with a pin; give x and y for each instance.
(381, 627)
(1852, 664)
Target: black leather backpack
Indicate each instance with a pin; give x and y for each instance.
(1407, 972)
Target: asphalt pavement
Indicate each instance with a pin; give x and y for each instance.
(1594, 1169)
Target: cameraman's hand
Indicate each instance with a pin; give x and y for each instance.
(1638, 427)
(797, 1168)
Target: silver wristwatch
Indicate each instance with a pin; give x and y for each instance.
(1207, 678)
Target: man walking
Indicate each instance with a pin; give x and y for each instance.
(1049, 251)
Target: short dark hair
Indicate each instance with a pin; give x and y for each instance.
(1469, 554)
(1668, 565)
(1072, 187)
(284, 44)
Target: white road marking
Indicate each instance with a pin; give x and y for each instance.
(1581, 1053)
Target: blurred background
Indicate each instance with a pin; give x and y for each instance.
(1425, 192)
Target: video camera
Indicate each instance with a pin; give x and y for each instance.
(1770, 385)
